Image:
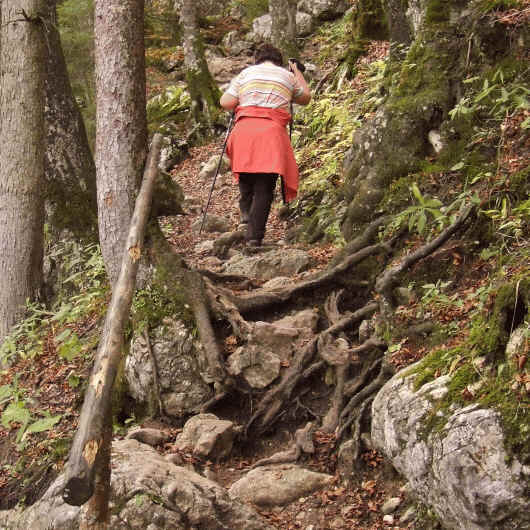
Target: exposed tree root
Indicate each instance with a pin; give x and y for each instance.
(303, 443)
(386, 281)
(274, 398)
(348, 415)
(263, 298)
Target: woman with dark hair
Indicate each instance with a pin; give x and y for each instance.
(259, 147)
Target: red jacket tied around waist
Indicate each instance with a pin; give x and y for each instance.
(259, 143)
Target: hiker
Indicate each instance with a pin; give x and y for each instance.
(259, 147)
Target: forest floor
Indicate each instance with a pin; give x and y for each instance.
(357, 505)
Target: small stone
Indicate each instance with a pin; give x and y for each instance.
(391, 505)
(388, 519)
(408, 516)
(300, 515)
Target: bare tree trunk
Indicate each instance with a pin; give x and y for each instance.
(22, 156)
(121, 123)
(88, 461)
(203, 91)
(283, 32)
(69, 166)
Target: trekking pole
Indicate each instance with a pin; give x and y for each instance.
(217, 170)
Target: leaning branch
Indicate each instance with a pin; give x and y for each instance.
(89, 445)
(387, 281)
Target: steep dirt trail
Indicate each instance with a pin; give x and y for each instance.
(357, 505)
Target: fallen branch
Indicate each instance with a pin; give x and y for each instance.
(89, 452)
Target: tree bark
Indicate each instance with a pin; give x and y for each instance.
(121, 123)
(283, 31)
(203, 91)
(87, 456)
(70, 172)
(22, 154)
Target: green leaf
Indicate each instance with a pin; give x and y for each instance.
(15, 412)
(412, 222)
(6, 392)
(433, 203)
(44, 424)
(71, 348)
(526, 124)
(422, 220)
(458, 166)
(74, 380)
(417, 193)
(63, 335)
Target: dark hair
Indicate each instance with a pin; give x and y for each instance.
(267, 52)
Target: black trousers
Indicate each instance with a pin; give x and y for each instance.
(256, 194)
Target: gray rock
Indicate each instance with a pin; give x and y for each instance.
(278, 485)
(284, 262)
(304, 24)
(324, 9)
(181, 369)
(388, 519)
(261, 29)
(206, 435)
(258, 366)
(171, 152)
(516, 343)
(234, 45)
(435, 140)
(390, 505)
(204, 247)
(212, 223)
(277, 283)
(208, 170)
(461, 471)
(149, 436)
(147, 491)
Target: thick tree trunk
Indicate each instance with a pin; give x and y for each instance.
(69, 166)
(22, 156)
(88, 456)
(121, 124)
(283, 32)
(203, 91)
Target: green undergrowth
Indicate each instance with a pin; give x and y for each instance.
(323, 133)
(480, 371)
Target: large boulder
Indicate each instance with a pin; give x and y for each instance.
(208, 436)
(277, 485)
(147, 492)
(461, 470)
(180, 363)
(283, 262)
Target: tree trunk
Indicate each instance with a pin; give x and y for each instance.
(121, 124)
(22, 155)
(69, 166)
(203, 91)
(283, 32)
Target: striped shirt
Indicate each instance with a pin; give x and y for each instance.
(265, 85)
